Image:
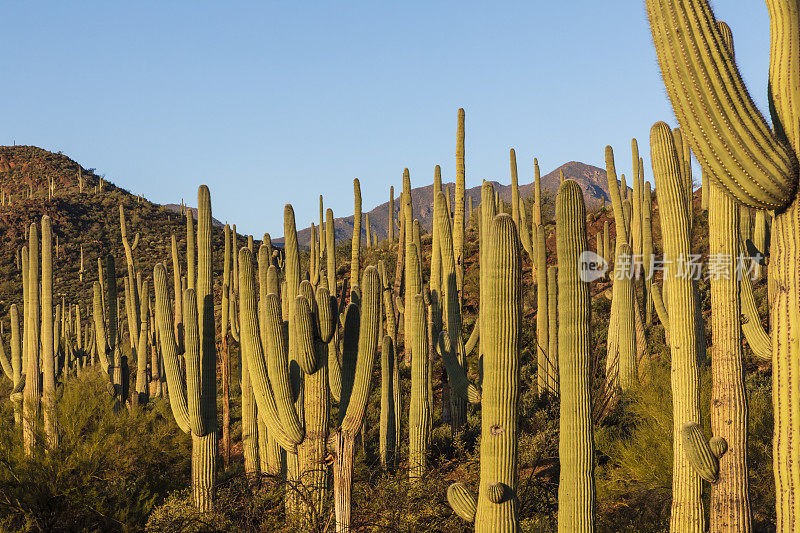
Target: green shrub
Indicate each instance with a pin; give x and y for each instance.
(111, 469)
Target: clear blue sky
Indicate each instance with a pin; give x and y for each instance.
(279, 102)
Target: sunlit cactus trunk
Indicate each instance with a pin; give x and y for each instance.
(32, 397)
(757, 163)
(576, 487)
(730, 504)
(687, 510)
(355, 252)
(419, 408)
(458, 208)
(497, 498)
(361, 332)
(48, 338)
(542, 321)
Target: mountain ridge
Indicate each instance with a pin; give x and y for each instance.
(592, 180)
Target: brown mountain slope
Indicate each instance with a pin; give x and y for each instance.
(89, 218)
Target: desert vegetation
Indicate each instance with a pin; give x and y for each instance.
(529, 363)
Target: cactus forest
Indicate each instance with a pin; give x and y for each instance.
(521, 359)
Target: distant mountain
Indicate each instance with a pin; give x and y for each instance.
(591, 179)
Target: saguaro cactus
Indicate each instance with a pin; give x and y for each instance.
(542, 323)
(32, 395)
(18, 378)
(132, 306)
(458, 208)
(760, 170)
(451, 309)
(194, 404)
(355, 252)
(391, 216)
(496, 508)
(576, 489)
(552, 322)
(359, 346)
(623, 283)
(388, 427)
(687, 509)
(48, 338)
(419, 411)
(305, 426)
(730, 503)
(396, 393)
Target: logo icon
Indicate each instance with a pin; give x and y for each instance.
(591, 266)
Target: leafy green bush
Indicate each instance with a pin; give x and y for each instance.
(110, 470)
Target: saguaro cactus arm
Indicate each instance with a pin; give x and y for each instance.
(462, 501)
(726, 131)
(455, 372)
(169, 348)
(368, 332)
(287, 435)
(699, 453)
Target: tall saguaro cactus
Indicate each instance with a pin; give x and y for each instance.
(419, 408)
(194, 405)
(496, 507)
(355, 253)
(451, 308)
(542, 324)
(758, 165)
(576, 488)
(48, 337)
(304, 425)
(361, 331)
(730, 504)
(32, 395)
(458, 208)
(687, 509)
